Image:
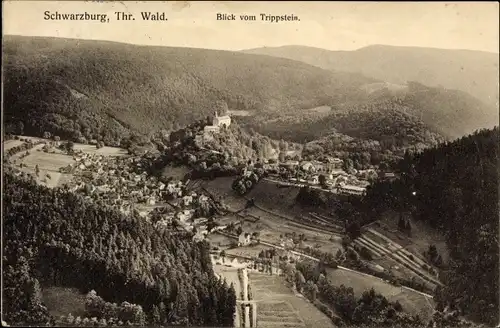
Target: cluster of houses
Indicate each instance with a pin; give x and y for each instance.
(123, 183)
(120, 181)
(302, 173)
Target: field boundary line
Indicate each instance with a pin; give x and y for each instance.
(338, 267)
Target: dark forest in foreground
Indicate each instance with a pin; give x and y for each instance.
(55, 238)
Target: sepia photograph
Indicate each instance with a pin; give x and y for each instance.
(247, 164)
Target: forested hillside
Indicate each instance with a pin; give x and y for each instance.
(474, 72)
(415, 114)
(223, 155)
(55, 238)
(454, 188)
(104, 90)
(95, 90)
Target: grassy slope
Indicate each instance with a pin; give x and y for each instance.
(146, 88)
(63, 301)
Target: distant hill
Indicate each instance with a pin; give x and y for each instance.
(84, 90)
(97, 89)
(474, 72)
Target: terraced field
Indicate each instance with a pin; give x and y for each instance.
(381, 246)
(272, 228)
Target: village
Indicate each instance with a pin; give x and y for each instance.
(239, 237)
(124, 183)
(326, 174)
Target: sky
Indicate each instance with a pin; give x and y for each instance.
(328, 25)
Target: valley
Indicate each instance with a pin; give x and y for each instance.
(271, 227)
(157, 186)
(269, 216)
(275, 218)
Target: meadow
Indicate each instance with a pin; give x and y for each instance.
(412, 302)
(422, 236)
(8, 144)
(105, 151)
(62, 301)
(49, 163)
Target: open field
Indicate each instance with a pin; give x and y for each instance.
(321, 109)
(270, 196)
(105, 151)
(231, 276)
(271, 228)
(218, 240)
(360, 283)
(412, 302)
(221, 187)
(278, 306)
(230, 218)
(240, 113)
(248, 251)
(266, 194)
(175, 172)
(63, 301)
(56, 179)
(8, 144)
(49, 163)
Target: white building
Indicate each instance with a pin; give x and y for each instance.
(187, 200)
(314, 180)
(351, 190)
(217, 123)
(220, 121)
(211, 129)
(307, 166)
(244, 239)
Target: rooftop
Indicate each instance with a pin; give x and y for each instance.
(354, 188)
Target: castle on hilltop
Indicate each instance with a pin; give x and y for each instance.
(221, 120)
(217, 123)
